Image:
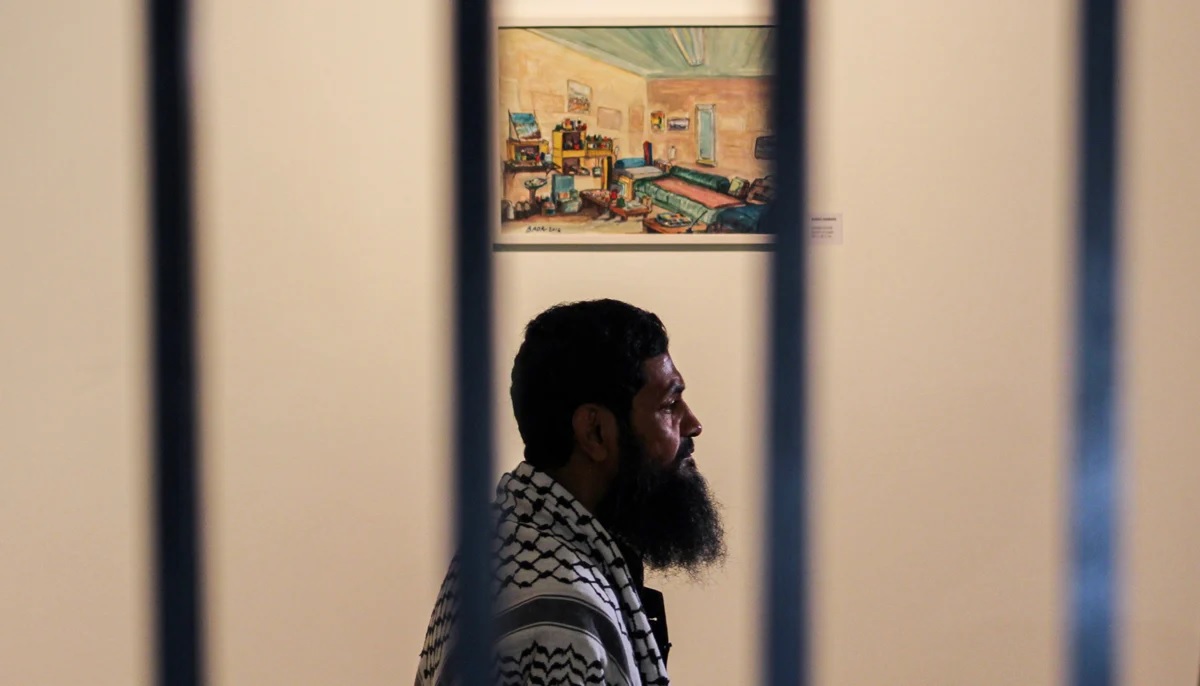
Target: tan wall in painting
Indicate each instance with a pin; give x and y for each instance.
(743, 114)
(533, 77)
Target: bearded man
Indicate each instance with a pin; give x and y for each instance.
(609, 484)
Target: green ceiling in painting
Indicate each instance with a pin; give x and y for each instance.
(662, 52)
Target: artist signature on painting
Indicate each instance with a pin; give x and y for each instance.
(542, 229)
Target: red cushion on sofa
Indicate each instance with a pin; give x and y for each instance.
(705, 196)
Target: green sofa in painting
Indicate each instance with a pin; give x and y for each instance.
(697, 194)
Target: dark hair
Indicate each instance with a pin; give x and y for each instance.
(577, 353)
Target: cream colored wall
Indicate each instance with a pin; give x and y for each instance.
(322, 136)
(743, 113)
(534, 70)
(944, 135)
(1161, 305)
(74, 533)
(941, 346)
(939, 352)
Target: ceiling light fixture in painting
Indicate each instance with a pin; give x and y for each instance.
(690, 41)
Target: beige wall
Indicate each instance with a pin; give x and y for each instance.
(322, 141)
(743, 112)
(940, 361)
(74, 534)
(1161, 303)
(533, 78)
(941, 369)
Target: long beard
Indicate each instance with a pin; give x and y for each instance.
(665, 513)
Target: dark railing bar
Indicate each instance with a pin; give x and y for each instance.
(177, 553)
(1095, 463)
(473, 331)
(786, 597)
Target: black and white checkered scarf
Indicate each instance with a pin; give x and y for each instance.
(567, 608)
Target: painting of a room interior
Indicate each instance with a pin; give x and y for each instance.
(635, 130)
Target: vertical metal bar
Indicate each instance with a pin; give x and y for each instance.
(473, 356)
(177, 544)
(1094, 501)
(786, 600)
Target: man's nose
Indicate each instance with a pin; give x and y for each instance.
(692, 426)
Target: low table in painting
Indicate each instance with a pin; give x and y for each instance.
(652, 225)
(629, 211)
(599, 198)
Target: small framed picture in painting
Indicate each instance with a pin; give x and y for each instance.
(657, 119)
(579, 98)
(764, 148)
(678, 123)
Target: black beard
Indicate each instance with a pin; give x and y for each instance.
(667, 514)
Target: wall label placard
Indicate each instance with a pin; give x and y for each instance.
(825, 229)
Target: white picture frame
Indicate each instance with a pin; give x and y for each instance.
(542, 230)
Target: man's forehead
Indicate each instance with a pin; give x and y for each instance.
(661, 374)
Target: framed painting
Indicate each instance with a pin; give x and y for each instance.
(579, 98)
(680, 169)
(678, 123)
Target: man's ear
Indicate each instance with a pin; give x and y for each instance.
(595, 429)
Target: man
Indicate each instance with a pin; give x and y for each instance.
(609, 483)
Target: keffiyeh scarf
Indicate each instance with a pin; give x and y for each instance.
(567, 609)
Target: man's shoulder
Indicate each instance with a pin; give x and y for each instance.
(535, 562)
(515, 590)
(535, 540)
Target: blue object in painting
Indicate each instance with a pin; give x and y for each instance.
(742, 219)
(696, 177)
(525, 126)
(561, 183)
(629, 163)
